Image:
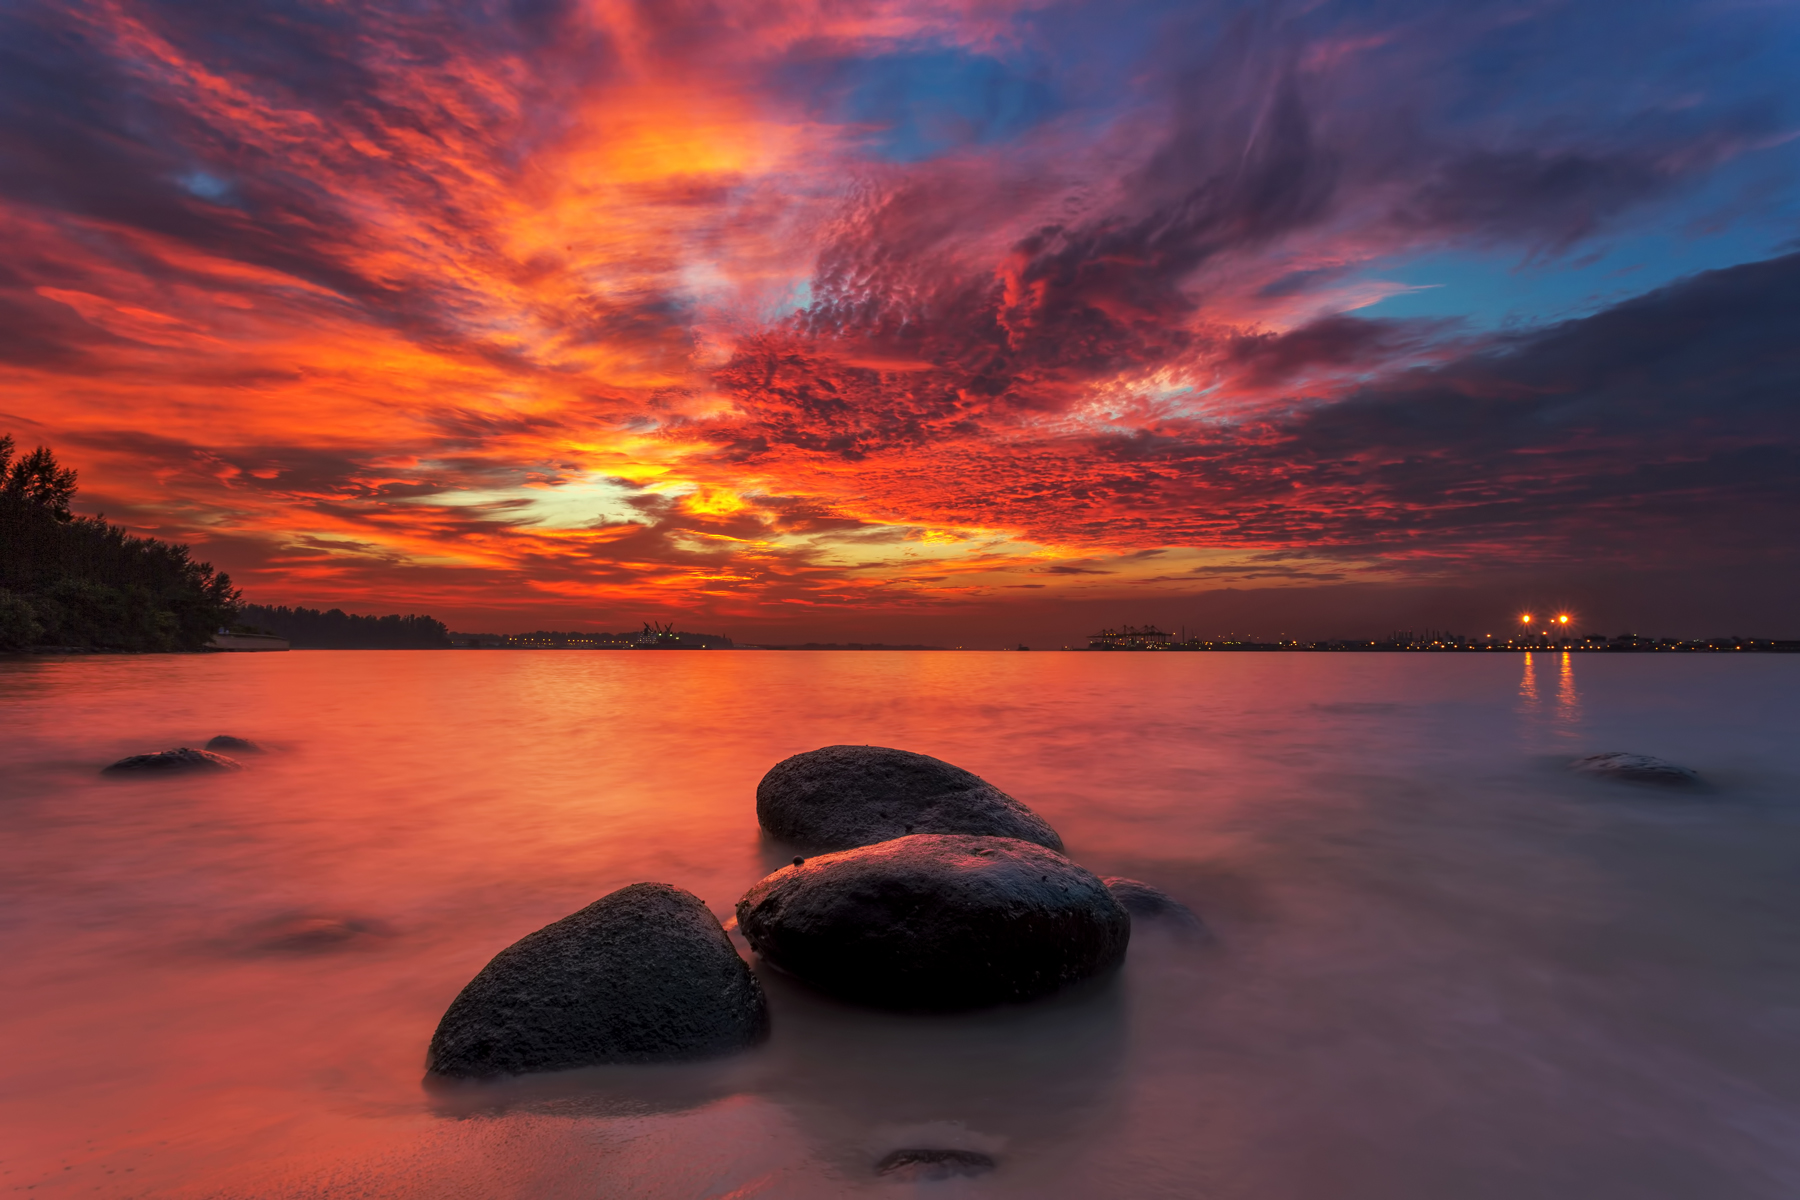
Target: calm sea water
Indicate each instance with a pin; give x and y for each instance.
(1438, 966)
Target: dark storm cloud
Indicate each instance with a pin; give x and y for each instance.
(1675, 411)
(1263, 360)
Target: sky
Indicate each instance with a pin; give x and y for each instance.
(956, 322)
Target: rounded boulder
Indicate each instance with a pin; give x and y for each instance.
(236, 745)
(839, 797)
(645, 974)
(936, 921)
(171, 761)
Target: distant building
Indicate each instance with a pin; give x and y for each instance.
(667, 637)
(1131, 637)
(652, 637)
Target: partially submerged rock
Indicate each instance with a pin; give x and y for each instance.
(844, 796)
(236, 745)
(1148, 903)
(922, 1165)
(1639, 768)
(936, 921)
(642, 975)
(309, 933)
(171, 761)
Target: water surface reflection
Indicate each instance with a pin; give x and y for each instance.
(1437, 964)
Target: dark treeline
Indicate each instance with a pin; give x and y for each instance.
(83, 582)
(335, 629)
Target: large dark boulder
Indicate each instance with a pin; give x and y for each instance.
(643, 975)
(173, 762)
(844, 796)
(1637, 768)
(936, 921)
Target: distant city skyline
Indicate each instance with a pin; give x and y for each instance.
(922, 323)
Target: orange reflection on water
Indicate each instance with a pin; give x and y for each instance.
(1528, 693)
(1568, 703)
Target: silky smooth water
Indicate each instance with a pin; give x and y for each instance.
(1437, 965)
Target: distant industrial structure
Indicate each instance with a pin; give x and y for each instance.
(1150, 638)
(653, 636)
(1131, 637)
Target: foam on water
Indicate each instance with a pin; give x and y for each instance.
(1435, 963)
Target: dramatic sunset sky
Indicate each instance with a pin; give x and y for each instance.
(923, 321)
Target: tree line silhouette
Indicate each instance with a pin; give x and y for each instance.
(335, 629)
(84, 582)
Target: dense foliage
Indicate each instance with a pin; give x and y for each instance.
(310, 629)
(81, 581)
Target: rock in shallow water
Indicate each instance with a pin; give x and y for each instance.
(932, 1166)
(303, 933)
(1639, 768)
(236, 745)
(844, 796)
(1141, 900)
(936, 921)
(642, 975)
(182, 759)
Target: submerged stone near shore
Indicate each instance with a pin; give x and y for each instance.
(642, 975)
(843, 796)
(916, 1165)
(1141, 900)
(235, 745)
(169, 761)
(936, 921)
(1639, 768)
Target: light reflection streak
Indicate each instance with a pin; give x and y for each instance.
(1568, 702)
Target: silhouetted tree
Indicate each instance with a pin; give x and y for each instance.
(36, 480)
(67, 580)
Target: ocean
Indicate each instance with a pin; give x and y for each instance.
(1435, 964)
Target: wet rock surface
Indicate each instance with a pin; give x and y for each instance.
(936, 922)
(172, 762)
(1638, 768)
(225, 743)
(839, 797)
(642, 975)
(1148, 903)
(931, 1166)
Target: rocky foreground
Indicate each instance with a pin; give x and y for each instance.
(938, 892)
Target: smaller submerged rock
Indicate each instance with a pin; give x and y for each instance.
(936, 921)
(309, 933)
(1148, 903)
(642, 975)
(1638, 768)
(933, 1166)
(838, 797)
(168, 761)
(236, 745)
